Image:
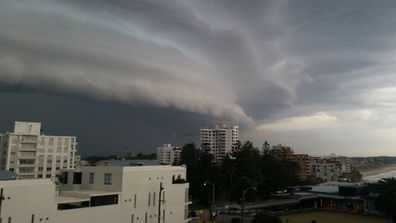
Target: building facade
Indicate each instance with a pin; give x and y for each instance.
(325, 169)
(169, 154)
(303, 162)
(141, 194)
(346, 164)
(31, 154)
(219, 140)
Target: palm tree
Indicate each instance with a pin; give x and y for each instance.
(386, 200)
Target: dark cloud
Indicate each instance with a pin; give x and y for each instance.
(101, 128)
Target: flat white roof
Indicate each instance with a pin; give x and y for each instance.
(132, 168)
(86, 193)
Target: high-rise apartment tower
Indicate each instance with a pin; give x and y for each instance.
(219, 140)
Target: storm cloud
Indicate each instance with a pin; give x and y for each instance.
(287, 71)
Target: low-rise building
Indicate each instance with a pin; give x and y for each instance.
(100, 194)
(169, 154)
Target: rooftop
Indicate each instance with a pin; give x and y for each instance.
(131, 162)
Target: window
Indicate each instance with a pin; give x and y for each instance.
(26, 169)
(48, 168)
(91, 178)
(149, 199)
(104, 200)
(26, 161)
(107, 179)
(154, 199)
(77, 178)
(163, 216)
(134, 201)
(163, 197)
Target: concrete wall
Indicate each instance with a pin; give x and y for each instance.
(24, 198)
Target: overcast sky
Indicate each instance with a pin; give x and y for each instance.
(125, 75)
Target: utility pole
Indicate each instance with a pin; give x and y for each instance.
(159, 203)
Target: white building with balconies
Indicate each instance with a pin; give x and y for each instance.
(100, 194)
(169, 154)
(219, 140)
(31, 154)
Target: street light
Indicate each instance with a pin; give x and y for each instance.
(212, 205)
(243, 200)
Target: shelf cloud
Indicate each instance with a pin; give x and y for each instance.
(274, 66)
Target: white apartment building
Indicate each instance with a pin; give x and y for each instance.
(325, 169)
(219, 140)
(140, 194)
(31, 154)
(169, 154)
(346, 164)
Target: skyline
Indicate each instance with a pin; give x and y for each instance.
(318, 76)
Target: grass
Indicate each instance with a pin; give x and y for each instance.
(330, 217)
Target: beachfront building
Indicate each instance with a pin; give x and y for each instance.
(346, 164)
(325, 169)
(219, 140)
(169, 154)
(100, 194)
(31, 154)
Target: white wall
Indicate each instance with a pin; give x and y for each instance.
(24, 198)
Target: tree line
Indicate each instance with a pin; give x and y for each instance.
(245, 167)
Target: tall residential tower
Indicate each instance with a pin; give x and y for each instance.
(219, 140)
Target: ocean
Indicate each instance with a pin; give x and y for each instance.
(375, 178)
